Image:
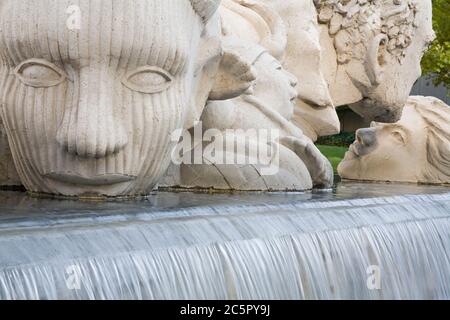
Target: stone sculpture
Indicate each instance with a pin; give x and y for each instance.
(372, 51)
(347, 52)
(268, 105)
(289, 30)
(90, 110)
(416, 149)
(315, 112)
(86, 114)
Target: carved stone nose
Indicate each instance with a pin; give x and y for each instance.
(90, 126)
(366, 137)
(86, 138)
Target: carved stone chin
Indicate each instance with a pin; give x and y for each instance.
(416, 149)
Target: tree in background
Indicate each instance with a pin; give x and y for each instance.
(436, 62)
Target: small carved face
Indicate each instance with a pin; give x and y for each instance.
(90, 109)
(388, 152)
(275, 86)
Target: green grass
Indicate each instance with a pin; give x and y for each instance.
(334, 154)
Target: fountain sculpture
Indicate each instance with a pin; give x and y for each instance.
(111, 100)
(104, 150)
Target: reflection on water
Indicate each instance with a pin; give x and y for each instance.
(226, 246)
(18, 205)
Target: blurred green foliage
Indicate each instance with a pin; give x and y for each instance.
(334, 154)
(344, 139)
(436, 62)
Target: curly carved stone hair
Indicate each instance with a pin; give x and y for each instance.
(436, 115)
(353, 23)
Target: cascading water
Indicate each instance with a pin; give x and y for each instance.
(332, 246)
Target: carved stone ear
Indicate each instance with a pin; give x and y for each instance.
(206, 68)
(235, 76)
(376, 59)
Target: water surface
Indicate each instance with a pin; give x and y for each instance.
(315, 245)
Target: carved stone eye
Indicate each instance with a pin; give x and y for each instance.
(40, 73)
(399, 135)
(148, 80)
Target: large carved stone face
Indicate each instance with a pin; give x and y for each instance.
(385, 101)
(374, 49)
(91, 111)
(388, 152)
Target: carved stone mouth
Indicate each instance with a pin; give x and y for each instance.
(98, 180)
(352, 153)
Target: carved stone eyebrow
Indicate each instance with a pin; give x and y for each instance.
(397, 127)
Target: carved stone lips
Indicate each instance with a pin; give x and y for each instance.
(354, 149)
(98, 180)
(352, 152)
